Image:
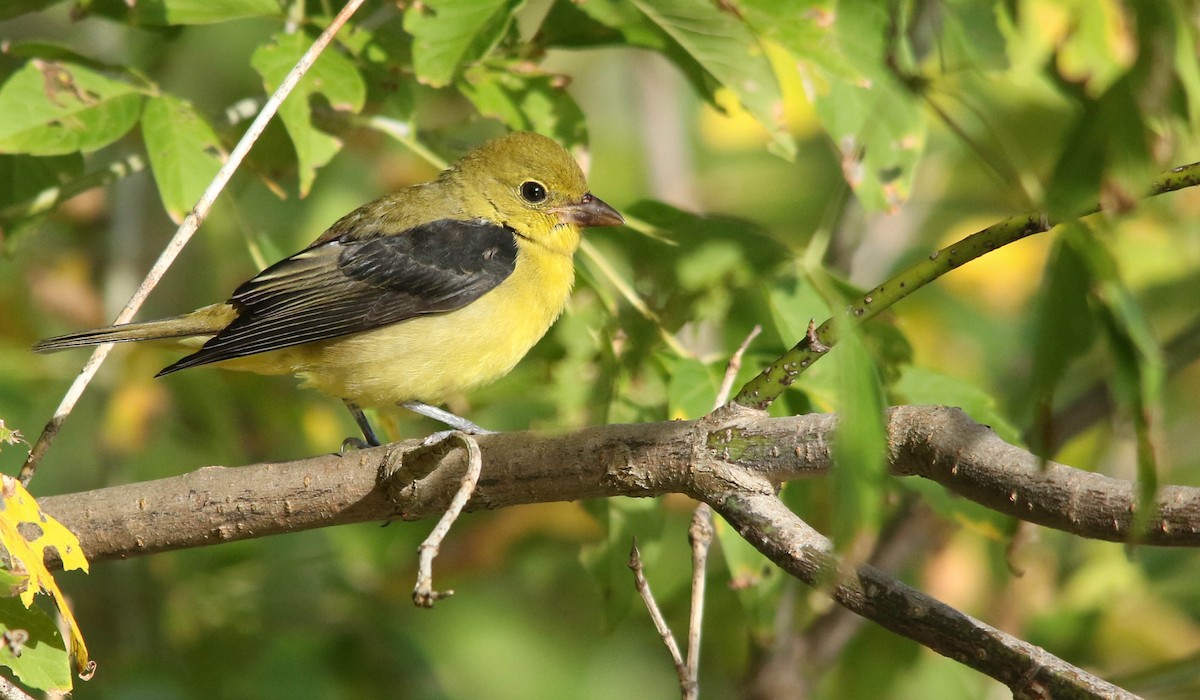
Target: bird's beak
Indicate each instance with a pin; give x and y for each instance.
(589, 211)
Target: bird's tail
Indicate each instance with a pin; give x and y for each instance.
(203, 322)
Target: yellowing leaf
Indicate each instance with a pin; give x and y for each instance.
(26, 532)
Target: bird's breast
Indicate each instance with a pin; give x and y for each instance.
(430, 358)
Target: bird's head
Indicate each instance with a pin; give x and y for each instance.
(536, 188)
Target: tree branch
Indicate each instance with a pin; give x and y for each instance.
(732, 459)
(1029, 671)
(217, 504)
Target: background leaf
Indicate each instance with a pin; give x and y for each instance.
(332, 77)
(54, 108)
(184, 151)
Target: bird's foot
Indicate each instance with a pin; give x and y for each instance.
(457, 423)
(352, 444)
(442, 435)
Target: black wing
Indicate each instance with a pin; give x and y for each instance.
(347, 285)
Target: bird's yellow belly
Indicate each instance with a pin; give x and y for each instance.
(430, 358)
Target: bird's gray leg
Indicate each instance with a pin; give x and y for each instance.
(443, 416)
(363, 424)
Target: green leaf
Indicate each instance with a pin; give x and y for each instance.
(54, 108)
(608, 560)
(43, 662)
(449, 34)
(860, 445)
(173, 12)
(1063, 325)
(1140, 368)
(723, 45)
(526, 103)
(1107, 150)
(970, 36)
(1187, 68)
(691, 388)
(185, 152)
(754, 578)
(23, 177)
(333, 76)
(591, 24)
(793, 304)
(16, 8)
(874, 120)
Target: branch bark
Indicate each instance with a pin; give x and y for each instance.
(733, 460)
(217, 504)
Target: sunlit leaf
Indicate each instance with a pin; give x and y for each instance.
(31, 646)
(184, 151)
(846, 55)
(333, 77)
(173, 12)
(723, 45)
(54, 108)
(448, 34)
(526, 103)
(26, 533)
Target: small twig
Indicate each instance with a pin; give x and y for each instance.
(686, 684)
(734, 366)
(183, 234)
(759, 392)
(423, 594)
(700, 536)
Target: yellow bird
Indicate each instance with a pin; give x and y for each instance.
(433, 290)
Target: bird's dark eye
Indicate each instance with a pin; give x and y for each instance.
(533, 191)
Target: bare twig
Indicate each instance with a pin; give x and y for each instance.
(700, 532)
(700, 536)
(686, 683)
(182, 235)
(423, 594)
(735, 366)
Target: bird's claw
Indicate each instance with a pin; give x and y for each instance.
(352, 444)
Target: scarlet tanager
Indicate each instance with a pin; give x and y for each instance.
(433, 290)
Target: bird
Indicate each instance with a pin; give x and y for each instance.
(422, 294)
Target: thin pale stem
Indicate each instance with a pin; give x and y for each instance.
(184, 234)
(686, 684)
(424, 595)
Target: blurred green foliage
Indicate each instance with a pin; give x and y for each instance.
(772, 157)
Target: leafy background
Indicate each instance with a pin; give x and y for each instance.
(769, 155)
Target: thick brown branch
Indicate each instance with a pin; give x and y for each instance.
(731, 459)
(798, 549)
(216, 504)
(972, 461)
